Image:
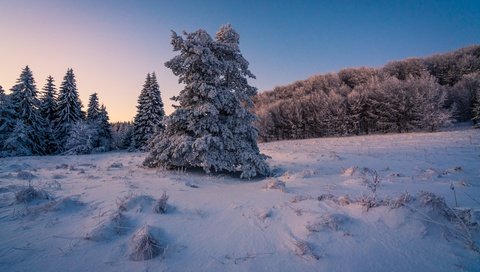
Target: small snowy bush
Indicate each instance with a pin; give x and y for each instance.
(161, 204)
(29, 194)
(144, 246)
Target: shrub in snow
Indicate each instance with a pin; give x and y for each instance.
(349, 171)
(115, 224)
(326, 222)
(116, 165)
(401, 201)
(344, 200)
(144, 246)
(275, 184)
(304, 250)
(325, 197)
(25, 175)
(299, 198)
(161, 204)
(29, 194)
(212, 127)
(435, 204)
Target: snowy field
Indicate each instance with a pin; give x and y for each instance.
(368, 203)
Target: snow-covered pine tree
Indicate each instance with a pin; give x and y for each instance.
(48, 105)
(96, 128)
(81, 139)
(26, 106)
(19, 141)
(150, 113)
(212, 127)
(7, 122)
(104, 130)
(69, 107)
(93, 110)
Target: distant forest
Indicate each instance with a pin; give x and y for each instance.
(415, 94)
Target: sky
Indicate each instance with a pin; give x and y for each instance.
(112, 44)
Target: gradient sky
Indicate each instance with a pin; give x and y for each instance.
(113, 44)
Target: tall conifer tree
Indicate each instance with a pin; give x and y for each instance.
(26, 106)
(69, 107)
(150, 113)
(212, 126)
(48, 105)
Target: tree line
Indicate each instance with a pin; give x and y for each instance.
(409, 95)
(50, 122)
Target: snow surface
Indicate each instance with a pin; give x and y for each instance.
(89, 210)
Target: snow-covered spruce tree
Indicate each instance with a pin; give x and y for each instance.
(19, 142)
(26, 106)
(69, 107)
(212, 127)
(104, 131)
(48, 105)
(150, 113)
(81, 139)
(7, 122)
(93, 109)
(96, 129)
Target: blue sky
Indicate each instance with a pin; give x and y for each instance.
(112, 44)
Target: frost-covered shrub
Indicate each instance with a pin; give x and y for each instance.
(304, 250)
(161, 204)
(29, 194)
(275, 184)
(115, 224)
(435, 204)
(326, 222)
(144, 246)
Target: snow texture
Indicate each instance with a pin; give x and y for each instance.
(79, 213)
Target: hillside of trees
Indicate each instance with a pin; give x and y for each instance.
(408, 95)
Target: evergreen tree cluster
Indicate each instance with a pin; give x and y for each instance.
(212, 126)
(413, 94)
(34, 123)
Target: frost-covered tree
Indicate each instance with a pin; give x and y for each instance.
(48, 105)
(19, 141)
(69, 107)
(96, 128)
(212, 126)
(26, 106)
(430, 100)
(104, 130)
(122, 133)
(150, 113)
(93, 110)
(7, 122)
(81, 139)
(476, 110)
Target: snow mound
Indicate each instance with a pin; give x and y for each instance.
(136, 203)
